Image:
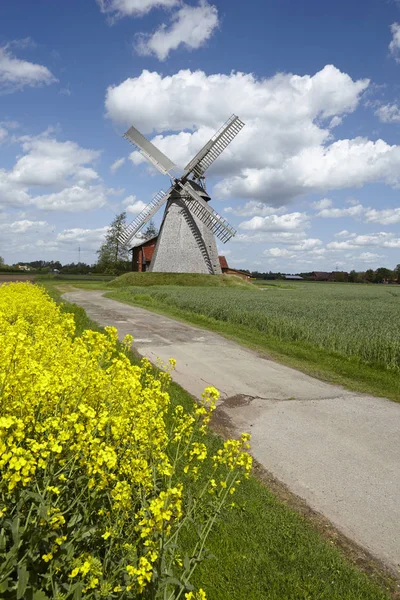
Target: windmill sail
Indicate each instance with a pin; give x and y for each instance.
(199, 207)
(210, 152)
(144, 217)
(149, 150)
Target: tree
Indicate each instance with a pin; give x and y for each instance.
(354, 277)
(1, 261)
(370, 275)
(397, 273)
(151, 230)
(114, 256)
(383, 275)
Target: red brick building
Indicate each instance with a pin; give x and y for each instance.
(142, 254)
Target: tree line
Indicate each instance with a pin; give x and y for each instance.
(380, 275)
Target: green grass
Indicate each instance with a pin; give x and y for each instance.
(264, 550)
(345, 334)
(179, 279)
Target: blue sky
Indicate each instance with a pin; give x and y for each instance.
(311, 182)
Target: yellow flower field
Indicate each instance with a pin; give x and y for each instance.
(102, 476)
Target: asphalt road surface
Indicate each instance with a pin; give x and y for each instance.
(338, 450)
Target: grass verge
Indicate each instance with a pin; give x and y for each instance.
(327, 366)
(263, 549)
(182, 279)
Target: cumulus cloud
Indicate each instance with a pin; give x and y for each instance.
(117, 9)
(64, 167)
(386, 216)
(133, 205)
(344, 233)
(308, 244)
(15, 73)
(286, 222)
(286, 148)
(252, 209)
(47, 162)
(394, 45)
(322, 204)
(12, 195)
(73, 199)
(22, 226)
(382, 239)
(388, 113)
(117, 164)
(191, 26)
(335, 213)
(279, 252)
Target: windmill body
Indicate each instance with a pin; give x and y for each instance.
(186, 242)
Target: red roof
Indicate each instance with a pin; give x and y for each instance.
(222, 262)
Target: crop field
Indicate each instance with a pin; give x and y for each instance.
(359, 321)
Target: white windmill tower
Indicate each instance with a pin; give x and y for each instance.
(186, 242)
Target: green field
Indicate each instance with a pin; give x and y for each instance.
(346, 333)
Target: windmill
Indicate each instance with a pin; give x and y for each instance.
(186, 242)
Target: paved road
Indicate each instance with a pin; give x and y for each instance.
(338, 450)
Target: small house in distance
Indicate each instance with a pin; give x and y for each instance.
(143, 251)
(322, 276)
(294, 278)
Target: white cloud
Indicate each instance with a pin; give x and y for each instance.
(344, 233)
(388, 113)
(47, 162)
(322, 204)
(252, 208)
(394, 45)
(23, 226)
(15, 73)
(270, 237)
(336, 213)
(308, 244)
(286, 222)
(382, 239)
(386, 216)
(279, 253)
(117, 164)
(286, 148)
(10, 194)
(63, 167)
(191, 26)
(133, 205)
(132, 8)
(73, 199)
